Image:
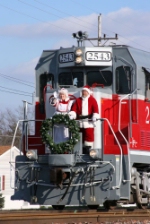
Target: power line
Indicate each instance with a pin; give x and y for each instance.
(111, 20)
(51, 13)
(15, 90)
(61, 27)
(33, 17)
(75, 17)
(65, 13)
(15, 80)
(15, 93)
(91, 9)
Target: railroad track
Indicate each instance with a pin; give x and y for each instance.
(74, 216)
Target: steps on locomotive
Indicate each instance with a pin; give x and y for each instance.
(33, 141)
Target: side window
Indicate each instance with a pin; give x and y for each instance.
(45, 79)
(147, 89)
(147, 84)
(123, 80)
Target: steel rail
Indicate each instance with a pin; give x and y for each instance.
(73, 215)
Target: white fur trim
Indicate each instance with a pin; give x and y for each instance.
(88, 144)
(88, 90)
(86, 124)
(95, 115)
(85, 110)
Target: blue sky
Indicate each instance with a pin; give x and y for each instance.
(27, 27)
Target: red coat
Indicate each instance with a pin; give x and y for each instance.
(86, 106)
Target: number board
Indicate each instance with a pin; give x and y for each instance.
(98, 56)
(66, 57)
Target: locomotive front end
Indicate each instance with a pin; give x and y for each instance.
(69, 172)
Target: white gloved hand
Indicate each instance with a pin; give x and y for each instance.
(71, 117)
(94, 119)
(55, 94)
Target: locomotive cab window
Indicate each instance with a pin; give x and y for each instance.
(68, 79)
(123, 80)
(147, 89)
(99, 77)
(147, 84)
(45, 80)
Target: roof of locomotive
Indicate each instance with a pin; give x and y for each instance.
(141, 57)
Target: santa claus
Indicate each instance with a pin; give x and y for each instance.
(86, 110)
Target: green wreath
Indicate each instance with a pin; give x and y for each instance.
(47, 133)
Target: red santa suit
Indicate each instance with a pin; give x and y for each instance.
(86, 110)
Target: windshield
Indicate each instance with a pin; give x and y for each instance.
(123, 80)
(99, 77)
(71, 79)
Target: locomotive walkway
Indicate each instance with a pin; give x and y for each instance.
(118, 216)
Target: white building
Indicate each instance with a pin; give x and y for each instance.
(7, 178)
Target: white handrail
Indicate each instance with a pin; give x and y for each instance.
(119, 129)
(12, 145)
(117, 186)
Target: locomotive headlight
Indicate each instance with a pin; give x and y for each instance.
(78, 52)
(31, 154)
(94, 153)
(78, 60)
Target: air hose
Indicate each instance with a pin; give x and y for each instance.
(68, 186)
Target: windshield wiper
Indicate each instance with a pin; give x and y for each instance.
(102, 75)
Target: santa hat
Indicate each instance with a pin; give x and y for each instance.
(87, 88)
(64, 91)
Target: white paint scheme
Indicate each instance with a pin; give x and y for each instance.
(140, 152)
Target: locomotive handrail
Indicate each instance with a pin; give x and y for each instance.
(102, 119)
(97, 84)
(121, 153)
(12, 144)
(119, 129)
(17, 128)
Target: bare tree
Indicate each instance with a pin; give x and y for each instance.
(8, 122)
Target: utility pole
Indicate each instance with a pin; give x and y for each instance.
(100, 38)
(82, 36)
(99, 30)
